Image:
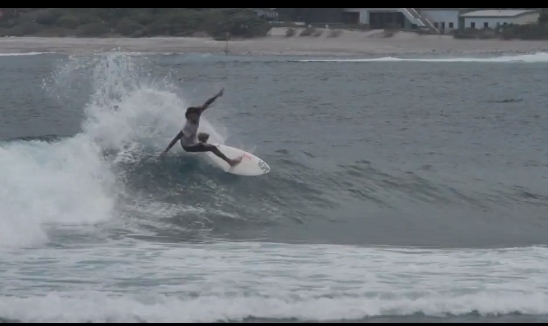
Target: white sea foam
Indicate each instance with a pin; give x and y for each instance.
(23, 54)
(232, 281)
(527, 58)
(72, 181)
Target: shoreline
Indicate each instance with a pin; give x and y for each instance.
(350, 43)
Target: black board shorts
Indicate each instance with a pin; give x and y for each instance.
(197, 147)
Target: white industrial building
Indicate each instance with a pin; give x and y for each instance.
(444, 19)
(494, 18)
(438, 20)
(384, 17)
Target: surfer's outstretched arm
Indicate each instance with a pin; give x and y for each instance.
(179, 135)
(211, 100)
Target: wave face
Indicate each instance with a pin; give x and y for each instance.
(399, 191)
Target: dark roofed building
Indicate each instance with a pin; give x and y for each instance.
(312, 15)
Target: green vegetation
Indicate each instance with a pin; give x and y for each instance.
(317, 33)
(132, 22)
(334, 33)
(525, 32)
(308, 31)
(290, 32)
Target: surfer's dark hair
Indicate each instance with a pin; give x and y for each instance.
(191, 110)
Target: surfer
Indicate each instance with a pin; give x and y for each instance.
(194, 142)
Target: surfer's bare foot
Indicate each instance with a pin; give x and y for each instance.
(235, 161)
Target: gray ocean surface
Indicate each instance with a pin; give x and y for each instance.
(402, 189)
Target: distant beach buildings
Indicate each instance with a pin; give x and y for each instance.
(438, 20)
(496, 18)
(266, 13)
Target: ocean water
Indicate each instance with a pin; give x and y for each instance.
(408, 189)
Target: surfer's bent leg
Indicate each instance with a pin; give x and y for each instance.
(204, 147)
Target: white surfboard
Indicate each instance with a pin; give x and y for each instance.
(250, 165)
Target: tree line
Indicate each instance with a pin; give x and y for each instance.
(132, 22)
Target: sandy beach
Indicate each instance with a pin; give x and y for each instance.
(348, 43)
